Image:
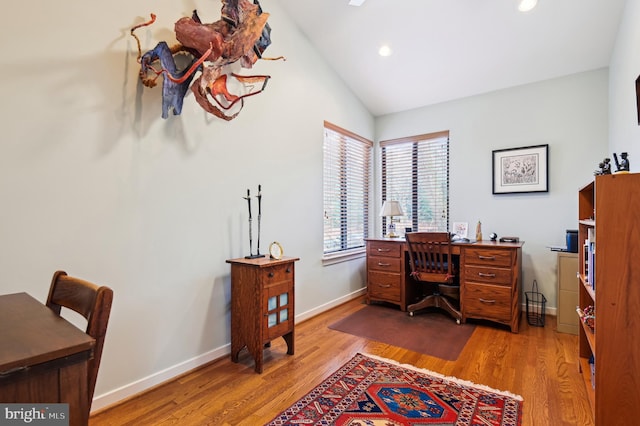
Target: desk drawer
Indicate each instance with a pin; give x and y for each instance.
(487, 301)
(384, 248)
(488, 257)
(384, 286)
(384, 264)
(499, 276)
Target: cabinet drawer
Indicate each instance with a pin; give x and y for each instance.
(483, 274)
(384, 264)
(277, 274)
(384, 286)
(383, 248)
(483, 256)
(487, 301)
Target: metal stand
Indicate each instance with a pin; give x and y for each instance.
(248, 198)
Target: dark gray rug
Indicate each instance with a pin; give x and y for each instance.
(429, 332)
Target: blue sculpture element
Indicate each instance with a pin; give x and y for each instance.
(173, 93)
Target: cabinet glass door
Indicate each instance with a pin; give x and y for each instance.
(278, 308)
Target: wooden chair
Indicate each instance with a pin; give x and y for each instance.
(93, 303)
(431, 262)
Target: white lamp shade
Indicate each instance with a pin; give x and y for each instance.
(391, 208)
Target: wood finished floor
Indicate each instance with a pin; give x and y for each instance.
(538, 363)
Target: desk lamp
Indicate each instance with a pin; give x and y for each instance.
(391, 209)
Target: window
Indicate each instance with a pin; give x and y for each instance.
(415, 172)
(347, 171)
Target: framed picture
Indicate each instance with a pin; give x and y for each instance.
(521, 169)
(461, 229)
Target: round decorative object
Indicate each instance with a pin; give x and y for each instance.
(275, 250)
(493, 236)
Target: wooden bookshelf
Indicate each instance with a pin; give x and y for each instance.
(609, 208)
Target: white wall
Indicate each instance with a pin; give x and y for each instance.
(624, 134)
(95, 182)
(569, 114)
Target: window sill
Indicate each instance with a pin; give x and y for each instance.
(343, 256)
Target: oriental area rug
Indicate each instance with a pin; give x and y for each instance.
(429, 332)
(369, 390)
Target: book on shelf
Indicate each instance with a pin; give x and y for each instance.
(589, 251)
(585, 260)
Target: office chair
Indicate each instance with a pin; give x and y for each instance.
(431, 262)
(93, 303)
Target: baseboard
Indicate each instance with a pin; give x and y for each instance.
(547, 310)
(146, 383)
(115, 396)
(323, 308)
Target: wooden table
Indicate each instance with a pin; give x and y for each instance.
(43, 357)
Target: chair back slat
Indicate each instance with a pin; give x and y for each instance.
(91, 301)
(430, 256)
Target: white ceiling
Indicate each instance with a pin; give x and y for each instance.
(450, 49)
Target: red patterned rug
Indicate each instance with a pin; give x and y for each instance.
(369, 390)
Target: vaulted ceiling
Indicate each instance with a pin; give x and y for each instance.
(449, 49)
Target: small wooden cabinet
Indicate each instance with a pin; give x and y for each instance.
(262, 305)
(490, 283)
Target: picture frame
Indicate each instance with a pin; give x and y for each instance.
(521, 170)
(461, 229)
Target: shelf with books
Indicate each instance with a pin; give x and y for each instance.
(609, 209)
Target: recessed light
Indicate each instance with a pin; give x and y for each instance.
(527, 5)
(385, 50)
(356, 2)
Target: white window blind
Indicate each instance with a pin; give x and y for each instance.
(347, 170)
(415, 172)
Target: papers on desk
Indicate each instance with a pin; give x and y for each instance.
(458, 239)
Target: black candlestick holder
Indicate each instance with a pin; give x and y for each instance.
(248, 198)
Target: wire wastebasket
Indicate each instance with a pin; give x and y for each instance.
(535, 306)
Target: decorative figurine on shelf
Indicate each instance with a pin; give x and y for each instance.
(623, 164)
(248, 198)
(604, 167)
(479, 231)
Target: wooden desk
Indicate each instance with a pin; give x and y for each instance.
(262, 305)
(490, 278)
(43, 357)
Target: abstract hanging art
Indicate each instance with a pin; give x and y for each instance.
(240, 37)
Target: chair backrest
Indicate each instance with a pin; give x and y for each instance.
(91, 301)
(430, 256)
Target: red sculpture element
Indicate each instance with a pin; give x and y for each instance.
(241, 35)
